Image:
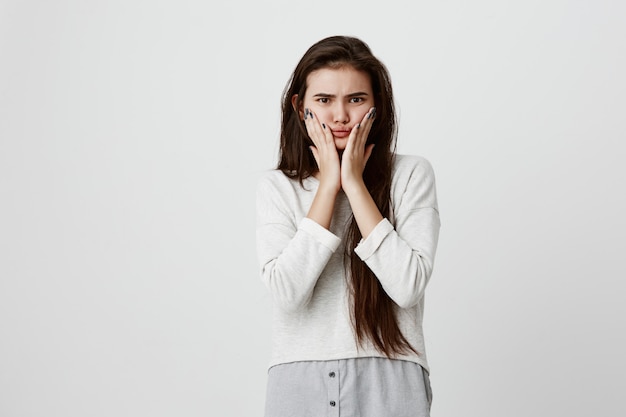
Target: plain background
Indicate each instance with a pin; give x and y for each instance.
(132, 134)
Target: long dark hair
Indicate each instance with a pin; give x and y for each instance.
(373, 315)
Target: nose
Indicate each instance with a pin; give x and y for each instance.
(340, 113)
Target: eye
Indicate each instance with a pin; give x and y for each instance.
(356, 99)
(323, 100)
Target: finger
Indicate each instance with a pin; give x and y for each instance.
(311, 127)
(372, 113)
(325, 131)
(354, 133)
(309, 124)
(366, 124)
(361, 130)
(318, 132)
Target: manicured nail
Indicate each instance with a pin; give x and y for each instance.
(374, 112)
(323, 125)
(306, 113)
(358, 126)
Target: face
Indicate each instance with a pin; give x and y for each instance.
(340, 98)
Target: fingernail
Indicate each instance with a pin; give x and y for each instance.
(358, 126)
(323, 125)
(374, 112)
(306, 113)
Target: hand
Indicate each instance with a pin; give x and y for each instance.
(356, 154)
(324, 152)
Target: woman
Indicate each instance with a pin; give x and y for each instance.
(346, 238)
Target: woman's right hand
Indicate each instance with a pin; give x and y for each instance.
(324, 152)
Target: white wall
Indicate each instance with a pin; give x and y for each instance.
(131, 136)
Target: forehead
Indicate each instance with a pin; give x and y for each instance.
(338, 81)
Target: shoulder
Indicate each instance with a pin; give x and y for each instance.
(413, 181)
(412, 166)
(273, 182)
(271, 178)
(275, 179)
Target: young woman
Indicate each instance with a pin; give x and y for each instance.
(346, 238)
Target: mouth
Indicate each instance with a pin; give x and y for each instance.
(341, 133)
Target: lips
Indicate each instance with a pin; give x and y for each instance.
(341, 133)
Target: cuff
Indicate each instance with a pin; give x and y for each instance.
(368, 246)
(322, 235)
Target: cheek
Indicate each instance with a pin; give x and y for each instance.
(322, 114)
(360, 113)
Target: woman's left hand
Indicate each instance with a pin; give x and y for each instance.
(356, 153)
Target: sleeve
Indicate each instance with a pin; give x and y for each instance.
(292, 252)
(402, 257)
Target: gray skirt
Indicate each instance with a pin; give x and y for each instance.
(360, 387)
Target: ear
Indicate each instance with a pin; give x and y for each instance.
(296, 107)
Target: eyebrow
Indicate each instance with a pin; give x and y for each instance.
(357, 94)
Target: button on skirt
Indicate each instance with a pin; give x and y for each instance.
(359, 387)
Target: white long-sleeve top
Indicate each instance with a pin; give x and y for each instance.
(305, 266)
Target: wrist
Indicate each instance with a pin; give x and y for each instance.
(328, 189)
(354, 188)
(321, 210)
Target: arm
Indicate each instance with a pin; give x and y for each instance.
(354, 159)
(402, 257)
(327, 159)
(293, 256)
(292, 253)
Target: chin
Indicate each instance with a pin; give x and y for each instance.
(340, 144)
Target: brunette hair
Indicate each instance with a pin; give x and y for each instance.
(373, 315)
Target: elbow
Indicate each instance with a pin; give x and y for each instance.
(289, 302)
(409, 299)
(284, 294)
(412, 293)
